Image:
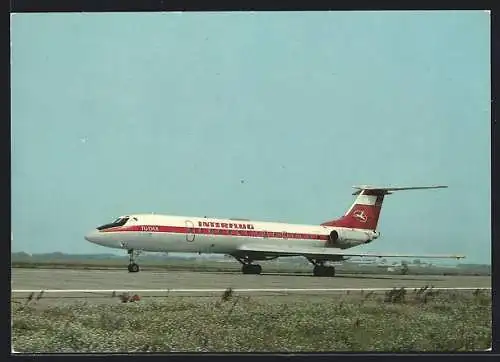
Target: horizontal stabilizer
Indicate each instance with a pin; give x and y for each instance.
(387, 190)
(270, 250)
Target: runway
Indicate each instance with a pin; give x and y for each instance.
(118, 279)
(106, 286)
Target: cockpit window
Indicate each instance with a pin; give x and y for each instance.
(118, 222)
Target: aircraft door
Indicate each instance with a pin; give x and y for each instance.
(190, 235)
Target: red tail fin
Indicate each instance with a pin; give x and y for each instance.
(365, 211)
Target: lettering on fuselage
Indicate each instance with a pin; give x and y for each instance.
(150, 228)
(225, 225)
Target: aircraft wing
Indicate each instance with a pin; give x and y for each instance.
(326, 253)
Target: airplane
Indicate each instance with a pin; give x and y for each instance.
(248, 241)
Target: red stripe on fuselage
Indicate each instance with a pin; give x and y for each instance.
(216, 231)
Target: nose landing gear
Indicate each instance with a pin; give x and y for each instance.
(132, 266)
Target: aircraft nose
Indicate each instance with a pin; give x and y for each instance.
(92, 236)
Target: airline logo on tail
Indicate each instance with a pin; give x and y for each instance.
(360, 215)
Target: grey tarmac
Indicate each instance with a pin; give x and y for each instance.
(112, 280)
(122, 279)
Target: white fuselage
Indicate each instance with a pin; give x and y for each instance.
(162, 233)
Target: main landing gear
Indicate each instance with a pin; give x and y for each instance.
(247, 266)
(322, 270)
(251, 269)
(132, 266)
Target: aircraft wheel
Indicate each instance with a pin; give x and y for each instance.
(330, 271)
(323, 271)
(133, 268)
(251, 269)
(318, 270)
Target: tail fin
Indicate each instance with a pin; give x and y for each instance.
(365, 211)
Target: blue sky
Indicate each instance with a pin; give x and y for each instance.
(167, 113)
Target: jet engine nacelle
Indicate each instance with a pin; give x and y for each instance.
(341, 238)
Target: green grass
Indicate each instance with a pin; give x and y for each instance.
(401, 320)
